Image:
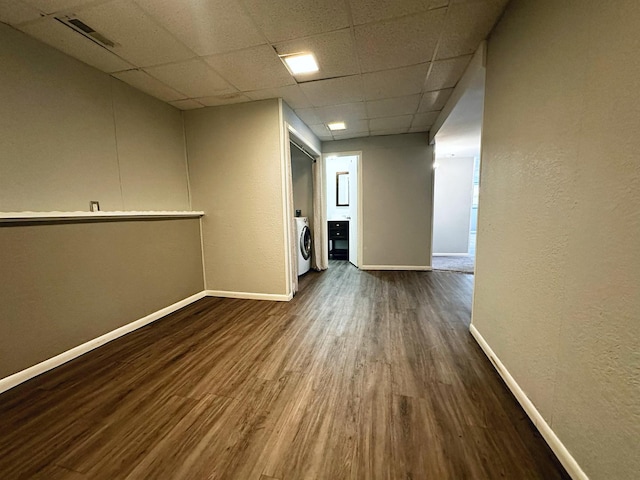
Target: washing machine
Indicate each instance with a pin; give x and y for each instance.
(303, 245)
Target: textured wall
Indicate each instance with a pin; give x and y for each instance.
(70, 134)
(558, 266)
(396, 198)
(235, 169)
(65, 284)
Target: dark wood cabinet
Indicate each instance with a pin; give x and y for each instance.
(339, 239)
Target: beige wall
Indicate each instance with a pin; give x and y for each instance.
(70, 134)
(65, 284)
(558, 266)
(151, 151)
(396, 198)
(235, 167)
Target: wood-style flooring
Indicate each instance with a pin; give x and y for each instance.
(364, 375)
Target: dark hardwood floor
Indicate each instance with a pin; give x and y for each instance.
(364, 375)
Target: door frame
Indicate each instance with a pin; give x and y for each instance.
(288, 133)
(358, 155)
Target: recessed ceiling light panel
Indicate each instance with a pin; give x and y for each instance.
(301, 63)
(337, 126)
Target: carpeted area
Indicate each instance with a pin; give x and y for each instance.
(454, 264)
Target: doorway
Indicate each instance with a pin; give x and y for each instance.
(301, 171)
(302, 184)
(343, 206)
(458, 146)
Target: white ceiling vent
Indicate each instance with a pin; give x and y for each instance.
(82, 28)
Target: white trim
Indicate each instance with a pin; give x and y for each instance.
(567, 460)
(13, 217)
(204, 263)
(450, 255)
(274, 297)
(53, 362)
(418, 268)
(287, 214)
(360, 211)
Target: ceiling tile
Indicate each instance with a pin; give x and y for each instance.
(321, 131)
(354, 127)
(52, 32)
(390, 131)
(292, 94)
(51, 6)
(334, 91)
(335, 53)
(146, 83)
(252, 69)
(398, 43)
(12, 12)
(346, 136)
(139, 39)
(402, 122)
(345, 112)
(188, 104)
(446, 73)
(432, 101)
(286, 19)
(419, 129)
(308, 116)
(468, 23)
(215, 100)
(366, 11)
(205, 26)
(194, 78)
(421, 120)
(390, 107)
(395, 83)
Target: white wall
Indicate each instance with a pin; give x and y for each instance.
(235, 166)
(453, 195)
(333, 166)
(558, 265)
(396, 198)
(70, 134)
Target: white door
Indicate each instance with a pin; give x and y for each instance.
(353, 210)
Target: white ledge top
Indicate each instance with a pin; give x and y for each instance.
(14, 217)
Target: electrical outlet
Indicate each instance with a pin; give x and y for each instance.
(94, 206)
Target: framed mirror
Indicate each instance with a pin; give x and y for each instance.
(342, 189)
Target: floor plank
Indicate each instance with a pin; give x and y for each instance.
(363, 375)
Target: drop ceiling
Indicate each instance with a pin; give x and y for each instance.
(386, 66)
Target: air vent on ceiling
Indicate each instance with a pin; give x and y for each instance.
(82, 28)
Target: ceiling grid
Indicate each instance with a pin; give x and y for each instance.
(384, 67)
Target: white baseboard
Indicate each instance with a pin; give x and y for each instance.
(250, 296)
(567, 460)
(449, 254)
(53, 362)
(419, 268)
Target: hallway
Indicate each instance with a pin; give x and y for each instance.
(363, 375)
